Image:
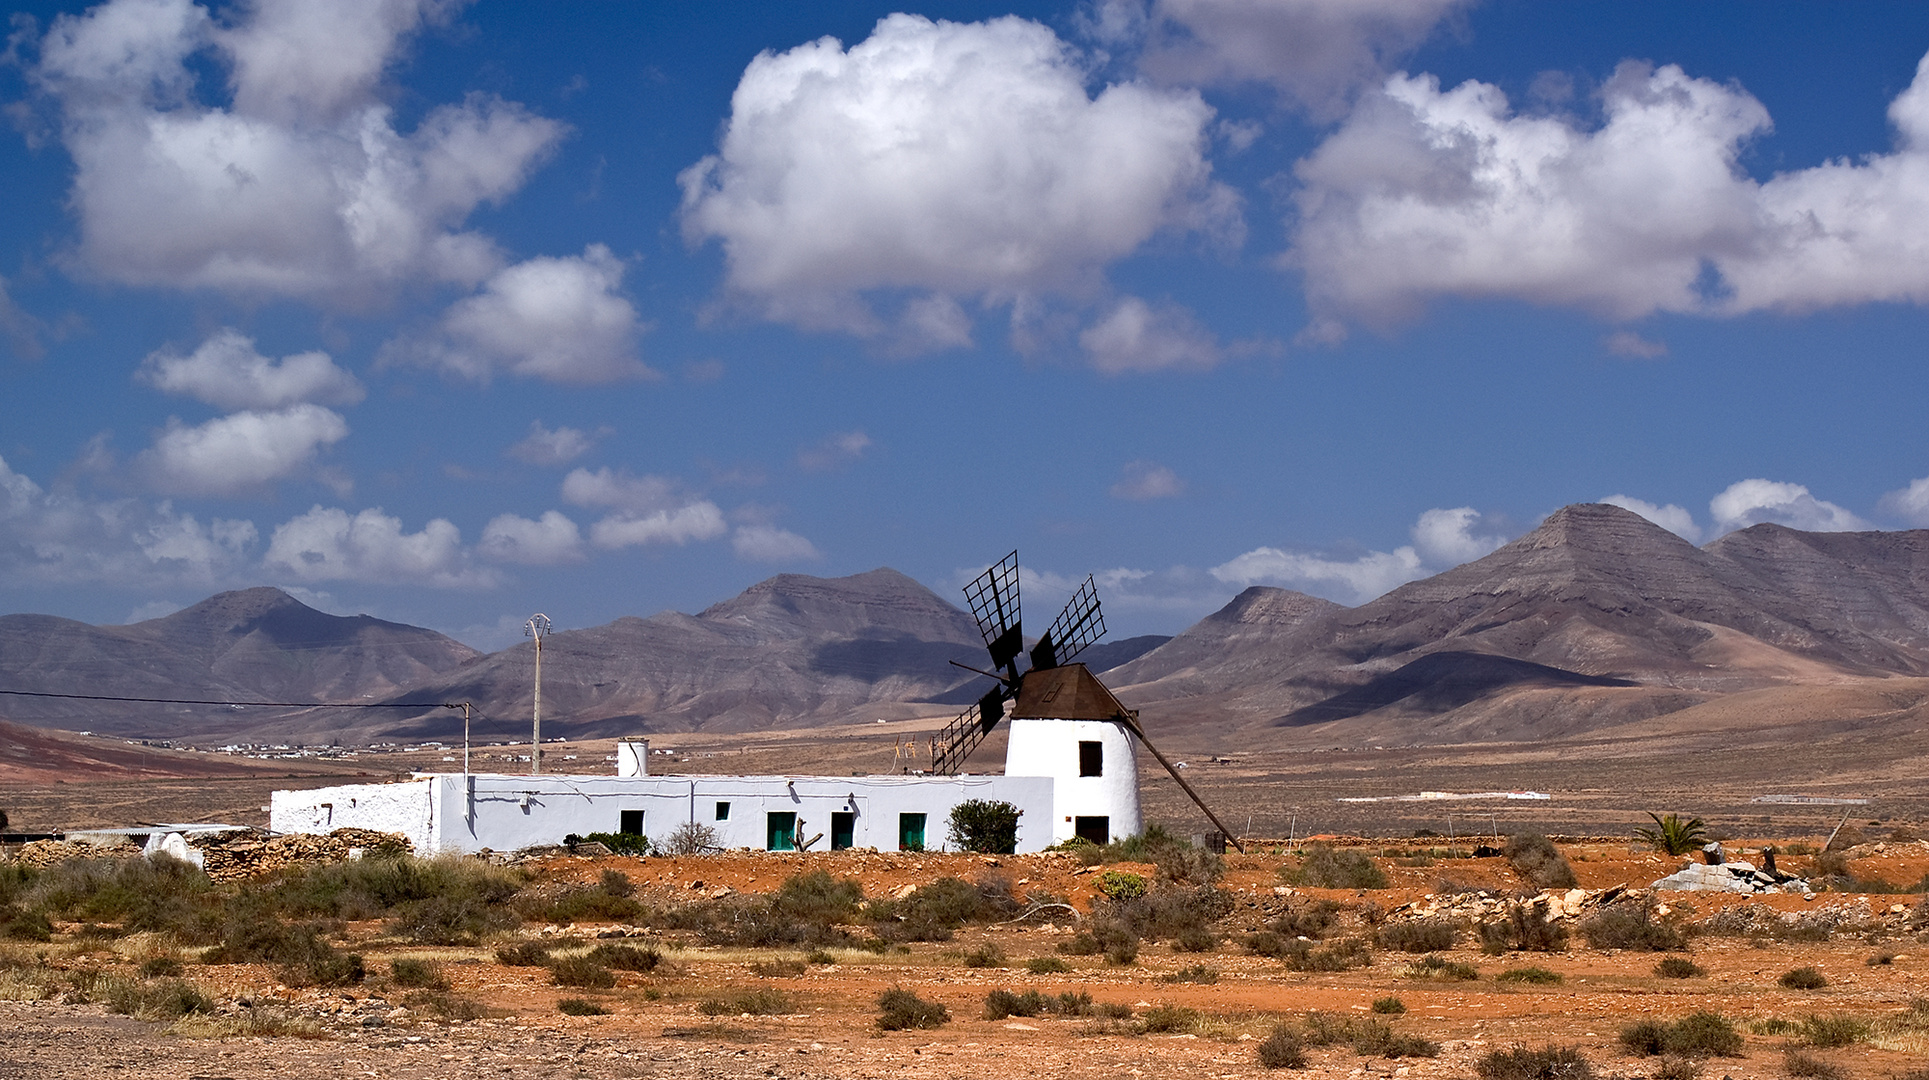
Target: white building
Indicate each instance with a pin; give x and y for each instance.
(1068, 770)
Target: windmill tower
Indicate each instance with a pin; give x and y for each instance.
(1065, 723)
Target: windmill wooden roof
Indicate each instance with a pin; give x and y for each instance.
(1068, 692)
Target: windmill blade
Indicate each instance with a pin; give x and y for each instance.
(1080, 624)
(960, 737)
(993, 596)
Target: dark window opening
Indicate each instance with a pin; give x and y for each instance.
(1096, 829)
(781, 831)
(723, 811)
(631, 823)
(843, 829)
(1091, 759)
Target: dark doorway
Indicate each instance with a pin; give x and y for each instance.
(1096, 829)
(630, 822)
(843, 829)
(781, 835)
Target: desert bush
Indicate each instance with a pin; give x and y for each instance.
(691, 838)
(1538, 976)
(1046, 965)
(1323, 866)
(1632, 927)
(1880, 958)
(1283, 1049)
(1420, 935)
(161, 999)
(161, 894)
(1121, 885)
(1774, 1025)
(1376, 1038)
(446, 1006)
(626, 957)
(1168, 1020)
(1075, 1003)
(1122, 950)
(900, 1010)
(1434, 966)
(1544, 1063)
(299, 953)
(375, 888)
(619, 843)
(1307, 918)
(984, 826)
(1341, 955)
(160, 967)
(1168, 911)
(1188, 865)
(1676, 1067)
(1829, 1032)
(417, 974)
(1673, 833)
(1523, 931)
(1197, 973)
(762, 1001)
(778, 969)
(818, 897)
(580, 1007)
(985, 955)
(1000, 1004)
(1266, 943)
(20, 925)
(523, 954)
(935, 910)
(581, 971)
(610, 900)
(1802, 978)
(1389, 1006)
(1798, 1064)
(819, 956)
(1678, 967)
(1195, 939)
(1699, 1034)
(1535, 858)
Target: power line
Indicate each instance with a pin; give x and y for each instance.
(266, 704)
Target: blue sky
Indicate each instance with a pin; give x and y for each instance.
(451, 313)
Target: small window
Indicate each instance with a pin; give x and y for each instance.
(631, 823)
(1091, 759)
(723, 811)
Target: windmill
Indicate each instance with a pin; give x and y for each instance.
(1052, 686)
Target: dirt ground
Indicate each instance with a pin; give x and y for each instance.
(654, 1026)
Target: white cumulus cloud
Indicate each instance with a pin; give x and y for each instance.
(227, 371)
(769, 544)
(329, 544)
(834, 452)
(1673, 518)
(240, 452)
(1442, 539)
(645, 509)
(563, 319)
(545, 447)
(1144, 480)
(1135, 336)
(1449, 537)
(299, 184)
(941, 160)
(1911, 504)
(1753, 502)
(546, 541)
(61, 537)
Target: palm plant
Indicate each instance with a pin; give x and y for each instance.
(1674, 834)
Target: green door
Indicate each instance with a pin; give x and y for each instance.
(843, 829)
(910, 832)
(782, 832)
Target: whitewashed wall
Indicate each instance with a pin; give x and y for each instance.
(1050, 748)
(506, 813)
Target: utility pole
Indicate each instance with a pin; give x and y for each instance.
(536, 627)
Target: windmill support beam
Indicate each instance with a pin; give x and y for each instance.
(1130, 718)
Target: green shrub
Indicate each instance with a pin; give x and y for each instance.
(580, 1007)
(1168, 1020)
(1076, 1003)
(1000, 1004)
(448, 900)
(986, 955)
(900, 1010)
(581, 971)
(523, 954)
(619, 843)
(1120, 885)
(1283, 1049)
(1342, 955)
(1323, 866)
(1307, 918)
(1188, 865)
(1632, 927)
(1046, 965)
(1523, 931)
(157, 967)
(1545, 1063)
(1829, 1032)
(984, 826)
(300, 955)
(1376, 1038)
(162, 999)
(25, 926)
(1419, 936)
(935, 910)
(1803, 978)
(1195, 939)
(1538, 976)
(417, 974)
(762, 1001)
(608, 901)
(1197, 973)
(817, 897)
(1434, 966)
(1699, 1034)
(1676, 1067)
(626, 957)
(1678, 967)
(1535, 858)
(1673, 833)
(1389, 1006)
(161, 894)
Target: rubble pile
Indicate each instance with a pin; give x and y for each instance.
(227, 856)
(1734, 877)
(45, 853)
(1483, 907)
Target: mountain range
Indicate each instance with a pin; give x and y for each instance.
(1596, 619)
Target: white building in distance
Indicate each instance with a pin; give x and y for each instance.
(1070, 769)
